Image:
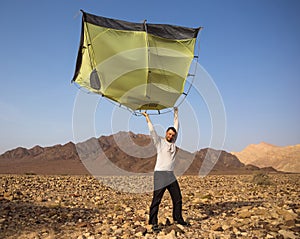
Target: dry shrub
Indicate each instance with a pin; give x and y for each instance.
(261, 178)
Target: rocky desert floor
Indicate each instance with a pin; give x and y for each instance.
(237, 206)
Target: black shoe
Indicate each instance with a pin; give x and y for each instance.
(183, 223)
(156, 228)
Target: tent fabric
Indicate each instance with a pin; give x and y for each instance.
(141, 66)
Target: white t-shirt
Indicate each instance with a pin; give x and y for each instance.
(165, 150)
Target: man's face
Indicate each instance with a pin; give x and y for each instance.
(170, 136)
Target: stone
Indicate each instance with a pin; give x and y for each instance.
(288, 234)
(217, 206)
(170, 235)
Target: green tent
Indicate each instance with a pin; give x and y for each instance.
(139, 65)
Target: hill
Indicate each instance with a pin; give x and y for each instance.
(285, 159)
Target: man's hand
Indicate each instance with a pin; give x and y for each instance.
(175, 111)
(146, 115)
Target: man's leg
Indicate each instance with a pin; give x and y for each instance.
(175, 193)
(157, 196)
(159, 190)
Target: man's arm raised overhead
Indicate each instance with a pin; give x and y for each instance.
(176, 121)
(151, 129)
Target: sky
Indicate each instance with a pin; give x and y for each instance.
(249, 56)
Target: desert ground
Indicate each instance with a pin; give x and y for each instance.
(216, 206)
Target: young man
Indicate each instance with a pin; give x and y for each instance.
(164, 177)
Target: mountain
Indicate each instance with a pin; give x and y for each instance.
(285, 159)
(124, 150)
(57, 159)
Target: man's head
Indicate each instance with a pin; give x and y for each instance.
(171, 134)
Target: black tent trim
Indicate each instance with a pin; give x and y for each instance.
(160, 30)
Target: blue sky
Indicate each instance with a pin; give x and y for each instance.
(250, 49)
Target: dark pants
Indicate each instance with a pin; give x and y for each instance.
(165, 180)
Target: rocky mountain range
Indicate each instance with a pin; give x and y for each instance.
(285, 159)
(124, 150)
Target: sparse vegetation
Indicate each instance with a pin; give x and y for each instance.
(261, 178)
(30, 173)
(207, 196)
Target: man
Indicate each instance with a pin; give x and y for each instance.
(164, 177)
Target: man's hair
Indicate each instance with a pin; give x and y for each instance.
(172, 128)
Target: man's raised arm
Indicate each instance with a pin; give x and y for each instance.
(151, 128)
(176, 121)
